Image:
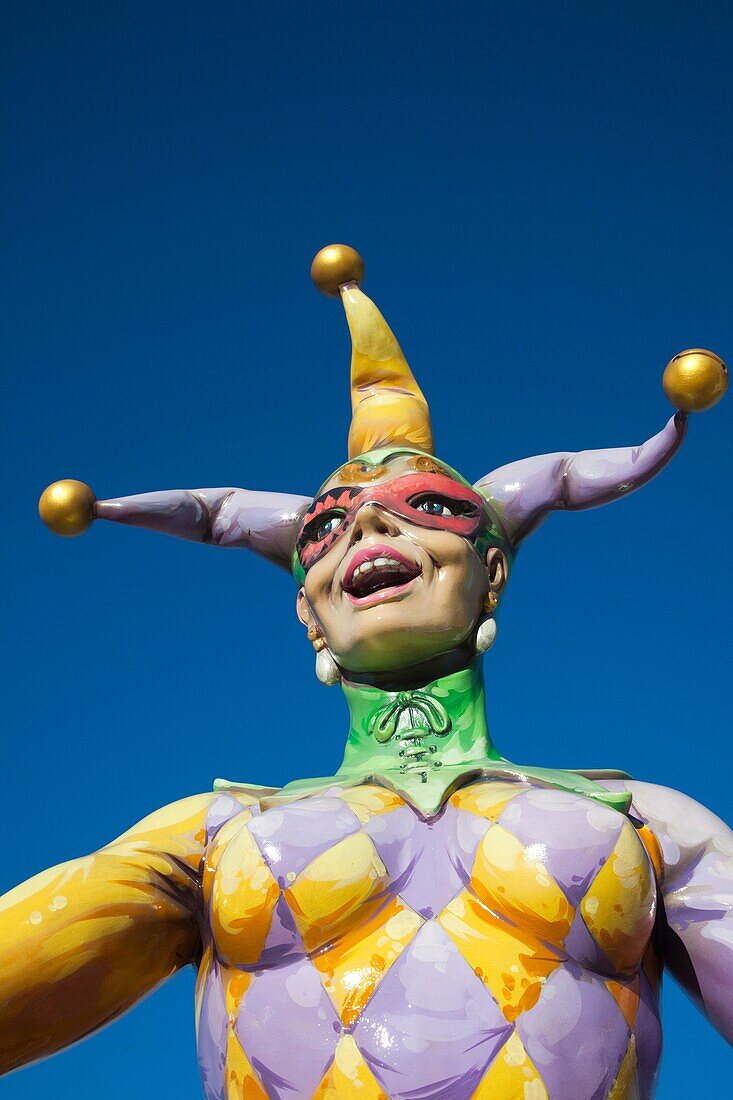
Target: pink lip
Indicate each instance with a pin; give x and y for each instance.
(371, 553)
(380, 596)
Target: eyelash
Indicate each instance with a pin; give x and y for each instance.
(310, 531)
(455, 507)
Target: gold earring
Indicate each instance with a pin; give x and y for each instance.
(490, 601)
(316, 638)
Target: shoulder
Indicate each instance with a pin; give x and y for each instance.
(678, 815)
(686, 830)
(196, 818)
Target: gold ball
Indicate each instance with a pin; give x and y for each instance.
(67, 507)
(695, 380)
(335, 265)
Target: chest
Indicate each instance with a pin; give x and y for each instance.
(493, 951)
(505, 870)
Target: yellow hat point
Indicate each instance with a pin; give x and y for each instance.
(695, 380)
(335, 265)
(67, 507)
(388, 407)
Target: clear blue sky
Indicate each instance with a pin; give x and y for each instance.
(542, 193)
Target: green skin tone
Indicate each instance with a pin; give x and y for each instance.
(410, 674)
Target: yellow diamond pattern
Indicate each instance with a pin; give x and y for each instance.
(626, 1087)
(511, 1076)
(368, 802)
(353, 967)
(348, 1077)
(486, 800)
(616, 905)
(627, 999)
(512, 963)
(243, 898)
(509, 881)
(335, 889)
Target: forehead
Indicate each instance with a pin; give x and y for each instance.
(377, 469)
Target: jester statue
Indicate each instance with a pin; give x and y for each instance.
(432, 921)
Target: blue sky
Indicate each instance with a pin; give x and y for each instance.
(542, 196)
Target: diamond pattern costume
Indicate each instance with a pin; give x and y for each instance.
(484, 977)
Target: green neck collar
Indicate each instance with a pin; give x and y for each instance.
(417, 733)
(425, 743)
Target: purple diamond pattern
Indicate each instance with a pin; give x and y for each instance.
(571, 835)
(288, 1027)
(575, 1035)
(212, 1035)
(428, 862)
(430, 1028)
(443, 1028)
(290, 837)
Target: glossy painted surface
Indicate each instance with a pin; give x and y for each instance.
(432, 922)
(262, 522)
(508, 946)
(521, 494)
(525, 492)
(695, 380)
(501, 949)
(423, 744)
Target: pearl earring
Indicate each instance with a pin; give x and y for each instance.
(327, 670)
(485, 635)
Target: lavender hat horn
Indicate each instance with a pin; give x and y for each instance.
(525, 492)
(389, 407)
(263, 522)
(266, 523)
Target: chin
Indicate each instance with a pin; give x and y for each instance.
(387, 650)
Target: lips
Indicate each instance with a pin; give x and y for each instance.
(378, 569)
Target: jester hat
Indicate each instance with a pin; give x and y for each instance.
(390, 415)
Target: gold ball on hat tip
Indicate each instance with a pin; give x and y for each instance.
(67, 507)
(695, 380)
(335, 265)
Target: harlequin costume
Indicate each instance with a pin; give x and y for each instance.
(432, 921)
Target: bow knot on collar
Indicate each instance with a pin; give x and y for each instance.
(422, 711)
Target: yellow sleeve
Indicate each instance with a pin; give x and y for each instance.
(82, 942)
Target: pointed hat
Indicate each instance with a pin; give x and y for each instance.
(390, 410)
(388, 407)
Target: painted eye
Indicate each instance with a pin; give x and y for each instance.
(328, 525)
(322, 526)
(434, 506)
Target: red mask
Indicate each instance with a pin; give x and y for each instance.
(426, 500)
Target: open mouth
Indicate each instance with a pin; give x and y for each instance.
(378, 569)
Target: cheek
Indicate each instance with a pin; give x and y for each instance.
(316, 588)
(455, 555)
(461, 579)
(319, 580)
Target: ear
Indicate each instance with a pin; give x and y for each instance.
(303, 609)
(498, 567)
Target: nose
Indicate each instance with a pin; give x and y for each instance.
(371, 519)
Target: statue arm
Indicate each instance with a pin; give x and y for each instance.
(82, 942)
(697, 929)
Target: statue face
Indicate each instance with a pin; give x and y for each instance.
(393, 574)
